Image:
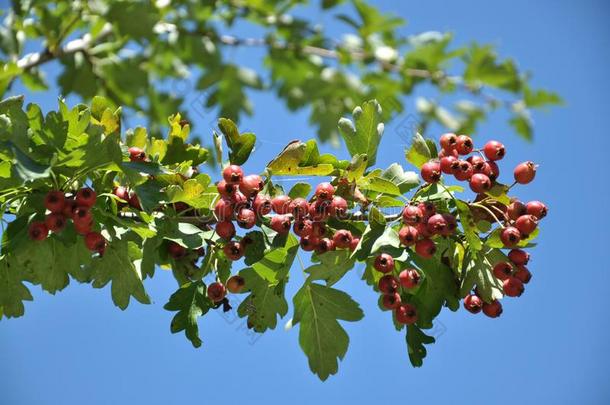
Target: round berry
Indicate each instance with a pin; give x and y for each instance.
(338, 207)
(451, 225)
(477, 163)
(493, 309)
(342, 238)
(233, 250)
(388, 284)
(303, 227)
(510, 236)
(431, 172)
(308, 243)
(235, 284)
(320, 210)
(251, 185)
(406, 314)
(494, 150)
(519, 257)
(95, 242)
(225, 229)
(217, 291)
(390, 301)
(85, 197)
(448, 141)
(175, 250)
(409, 278)
(226, 190)
(324, 191)
(82, 216)
(134, 201)
(408, 235)
(523, 274)
(426, 248)
(121, 192)
(281, 204)
(462, 170)
(38, 231)
(480, 183)
(136, 154)
(512, 287)
(82, 228)
(427, 208)
(516, 209)
(526, 224)
(281, 224)
(473, 303)
(325, 245)
(412, 215)
(354, 244)
(384, 263)
(55, 222)
(525, 172)
(54, 201)
(299, 208)
(246, 218)
(233, 174)
(261, 205)
(503, 270)
(437, 224)
(537, 209)
(464, 145)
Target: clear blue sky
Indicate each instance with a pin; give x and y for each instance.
(550, 345)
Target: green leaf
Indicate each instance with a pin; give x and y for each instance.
(365, 246)
(12, 290)
(469, 225)
(404, 180)
(299, 190)
(191, 302)
(117, 266)
(195, 192)
(288, 162)
(479, 273)
(317, 309)
(240, 146)
(416, 339)
(363, 134)
(419, 152)
(332, 267)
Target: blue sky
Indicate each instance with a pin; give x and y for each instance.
(549, 345)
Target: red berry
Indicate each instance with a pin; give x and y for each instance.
(69, 207)
(226, 190)
(409, 278)
(510, 236)
(223, 210)
(448, 141)
(451, 225)
(537, 209)
(525, 172)
(354, 244)
(492, 310)
(473, 303)
(513, 287)
(427, 208)
(136, 154)
(54, 201)
(519, 257)
(308, 243)
(412, 215)
(406, 314)
(422, 230)
(464, 145)
(85, 197)
(38, 231)
(82, 216)
(95, 242)
(437, 224)
(447, 164)
(225, 229)
(431, 172)
(462, 170)
(325, 245)
(303, 227)
(384, 263)
(408, 235)
(523, 274)
(55, 222)
(479, 183)
(261, 205)
(320, 210)
(494, 150)
(246, 218)
(299, 208)
(503, 270)
(121, 192)
(425, 248)
(239, 201)
(217, 292)
(134, 201)
(338, 207)
(516, 209)
(388, 284)
(233, 174)
(233, 250)
(318, 229)
(446, 153)
(390, 301)
(526, 224)
(324, 191)
(281, 204)
(82, 228)
(235, 284)
(251, 185)
(175, 250)
(281, 224)
(477, 163)
(342, 238)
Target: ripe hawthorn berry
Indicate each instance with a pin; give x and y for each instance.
(175, 250)
(408, 235)
(431, 172)
(462, 170)
(95, 242)
(479, 183)
(325, 245)
(448, 141)
(473, 303)
(502, 270)
(226, 190)
(437, 224)
(299, 208)
(446, 153)
(384, 263)
(513, 287)
(38, 231)
(261, 205)
(427, 208)
(223, 210)
(324, 191)
(409, 278)
(537, 209)
(354, 244)
(523, 274)
(526, 224)
(494, 150)
(82, 228)
(422, 230)
(519, 257)
(69, 207)
(303, 227)
(338, 207)
(390, 301)
(406, 314)
(412, 215)
(55, 222)
(250, 185)
(510, 236)
(342, 238)
(85, 197)
(233, 250)
(233, 174)
(246, 218)
(134, 201)
(477, 163)
(525, 172)
(281, 224)
(320, 210)
(426, 248)
(319, 229)
(225, 229)
(217, 291)
(82, 216)
(464, 145)
(281, 204)
(235, 284)
(493, 309)
(121, 192)
(451, 225)
(54, 201)
(136, 154)
(388, 284)
(516, 209)
(308, 243)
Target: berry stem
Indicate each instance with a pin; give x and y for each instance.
(490, 213)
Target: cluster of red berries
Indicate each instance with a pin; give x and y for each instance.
(242, 202)
(421, 223)
(390, 286)
(63, 207)
(520, 220)
(217, 291)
